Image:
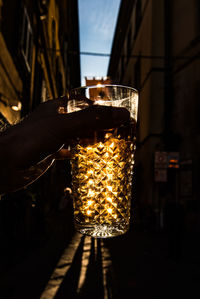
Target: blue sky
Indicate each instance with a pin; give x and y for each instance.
(97, 20)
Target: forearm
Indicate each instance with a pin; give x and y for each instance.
(23, 156)
(13, 180)
(43, 133)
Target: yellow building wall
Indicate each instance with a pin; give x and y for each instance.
(10, 84)
(53, 14)
(53, 50)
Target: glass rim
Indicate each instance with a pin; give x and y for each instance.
(105, 85)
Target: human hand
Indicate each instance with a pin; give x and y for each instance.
(40, 135)
(45, 131)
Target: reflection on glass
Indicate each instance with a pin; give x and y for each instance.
(102, 169)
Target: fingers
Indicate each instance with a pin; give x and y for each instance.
(62, 127)
(103, 117)
(45, 130)
(48, 109)
(94, 118)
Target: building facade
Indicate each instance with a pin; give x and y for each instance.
(36, 47)
(39, 60)
(156, 50)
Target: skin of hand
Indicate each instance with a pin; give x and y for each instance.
(28, 148)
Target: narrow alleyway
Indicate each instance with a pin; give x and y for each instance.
(135, 265)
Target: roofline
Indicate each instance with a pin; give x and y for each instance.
(124, 14)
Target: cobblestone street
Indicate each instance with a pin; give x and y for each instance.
(135, 265)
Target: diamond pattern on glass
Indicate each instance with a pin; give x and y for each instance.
(102, 181)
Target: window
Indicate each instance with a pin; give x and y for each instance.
(59, 84)
(122, 67)
(27, 40)
(129, 44)
(44, 91)
(137, 73)
(138, 16)
(197, 10)
(1, 4)
(65, 53)
(53, 33)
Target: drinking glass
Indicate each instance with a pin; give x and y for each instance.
(102, 167)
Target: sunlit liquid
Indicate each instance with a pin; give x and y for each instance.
(102, 183)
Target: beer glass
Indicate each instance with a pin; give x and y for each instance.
(102, 167)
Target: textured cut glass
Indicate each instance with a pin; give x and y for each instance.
(102, 170)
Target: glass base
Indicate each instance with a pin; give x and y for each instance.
(102, 230)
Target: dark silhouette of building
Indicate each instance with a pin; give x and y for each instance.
(38, 40)
(156, 49)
